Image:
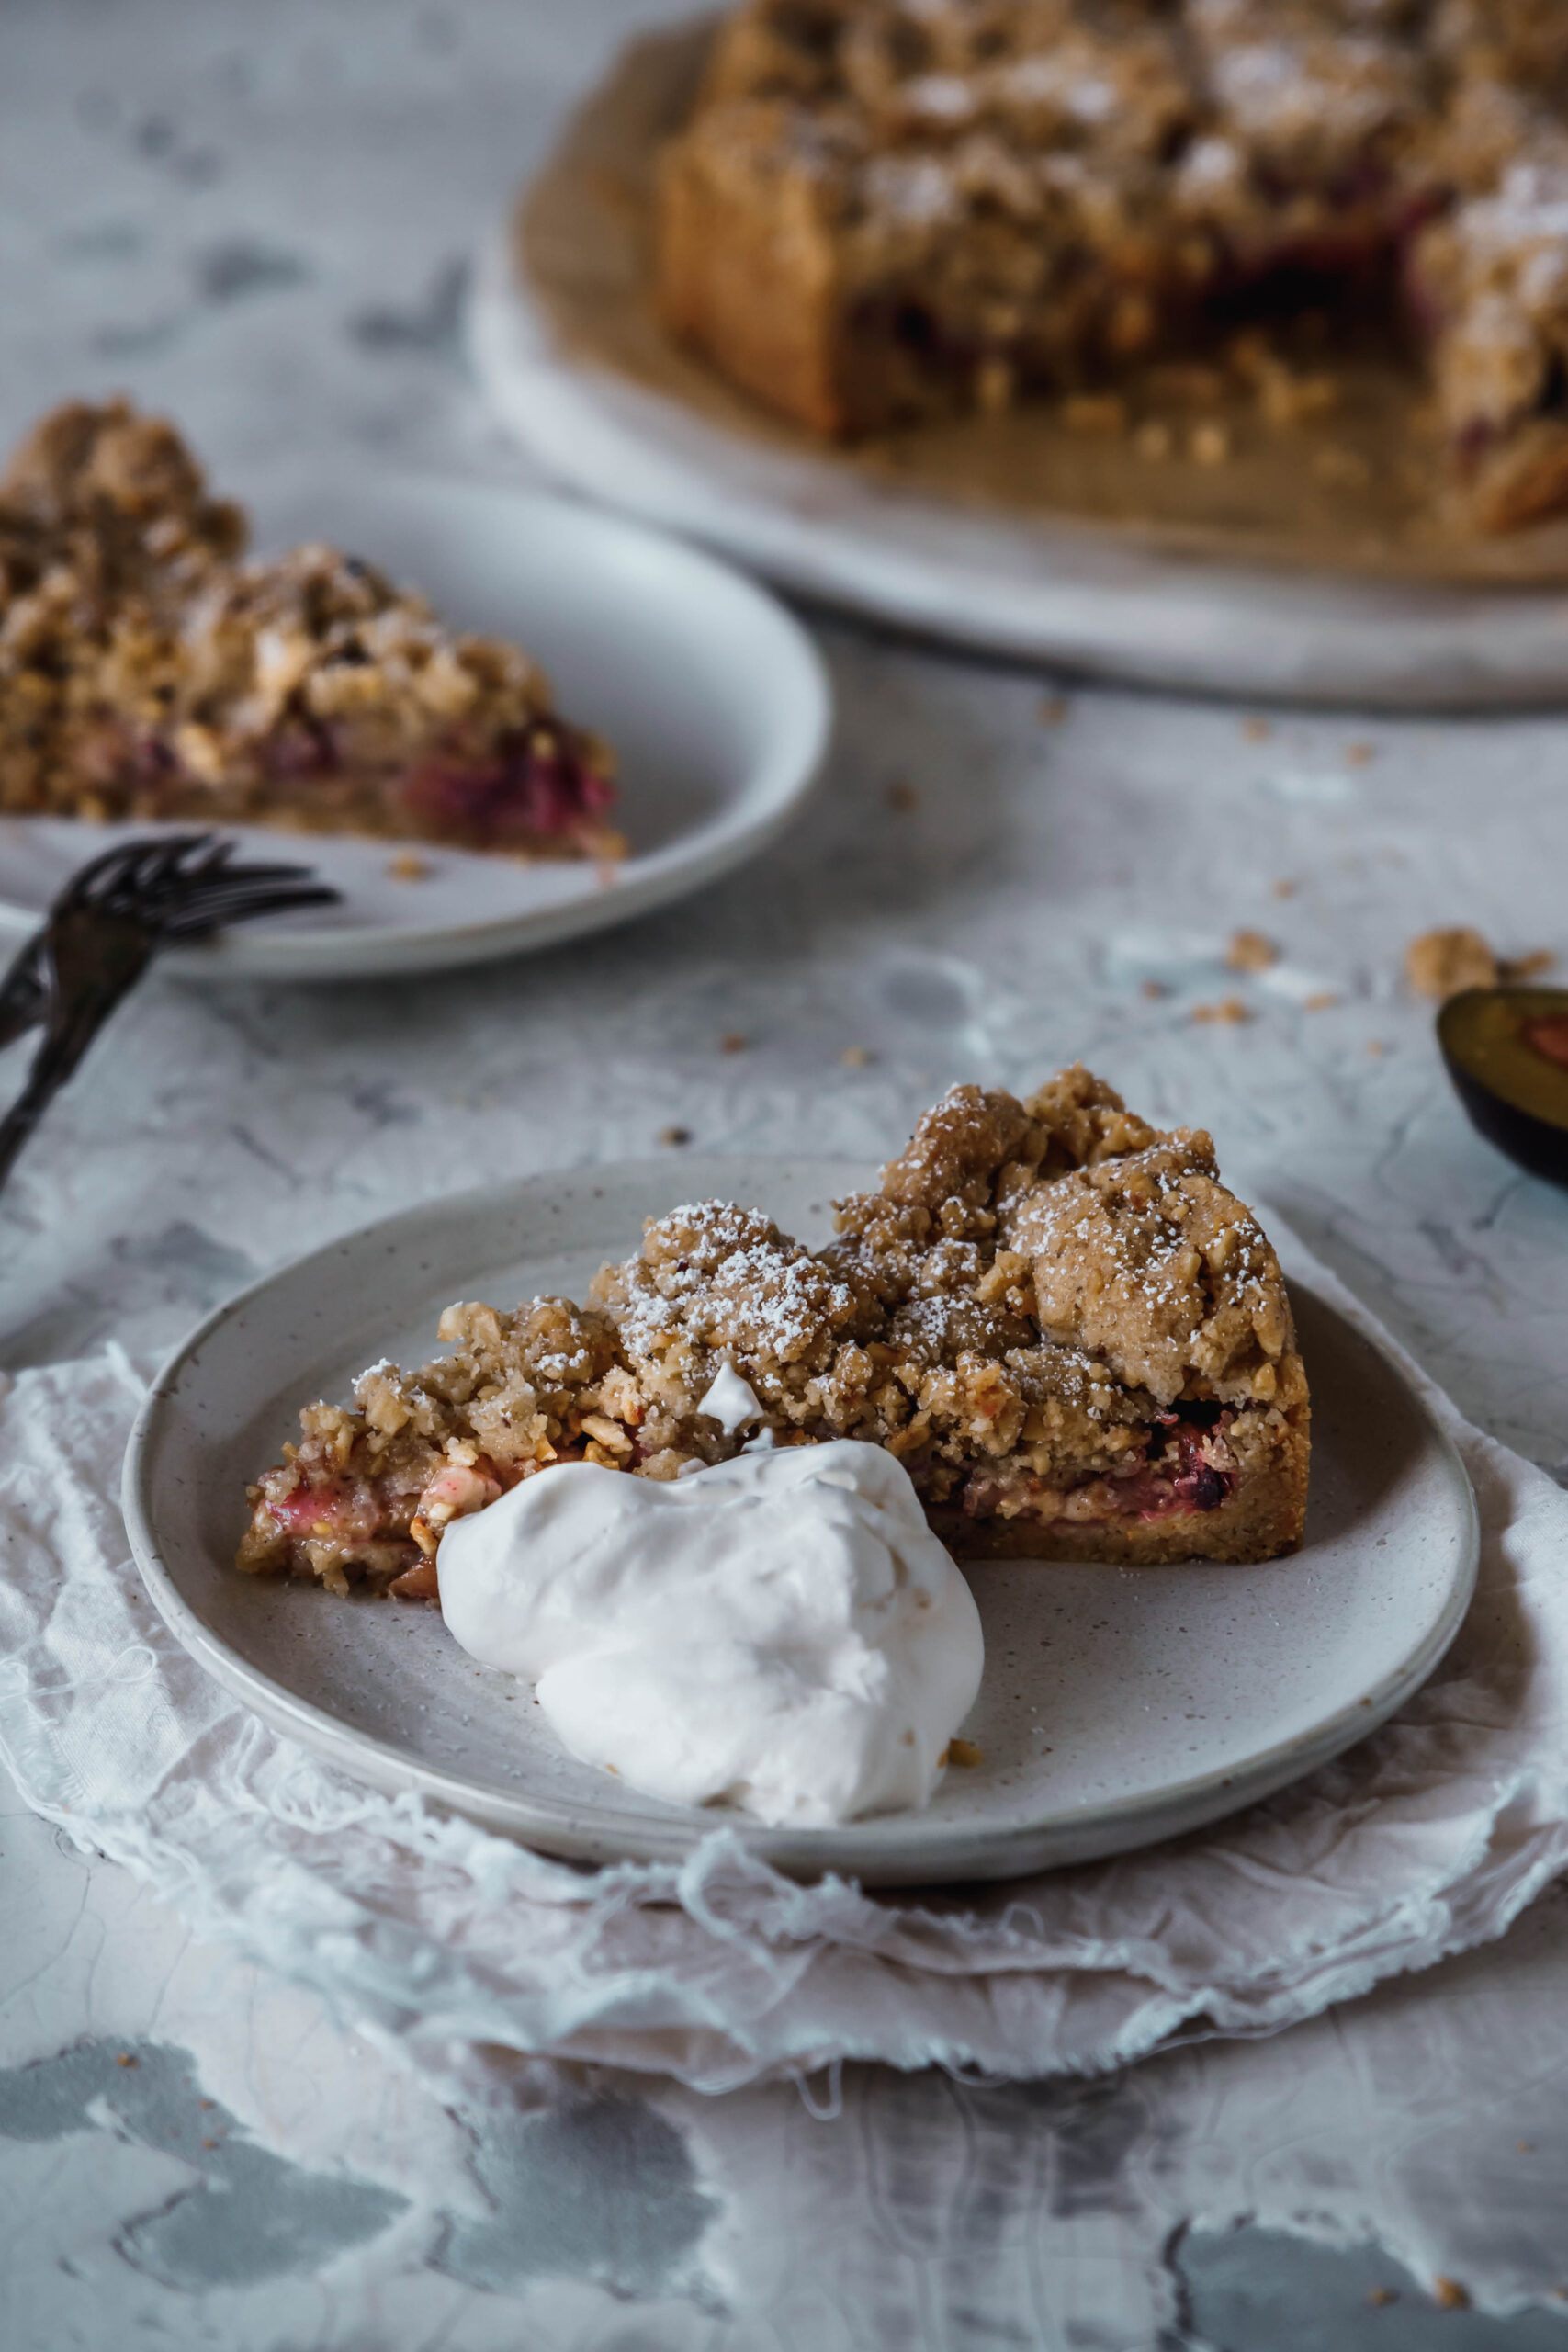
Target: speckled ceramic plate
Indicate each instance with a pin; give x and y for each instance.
(712, 695)
(1118, 1706)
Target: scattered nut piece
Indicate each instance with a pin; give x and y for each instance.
(417, 1583)
(1376, 1048)
(1251, 355)
(674, 1136)
(1515, 968)
(902, 795)
(1359, 756)
(1450, 2296)
(1053, 709)
(1320, 1000)
(1094, 412)
(124, 2058)
(1255, 729)
(734, 1041)
(1285, 398)
(1153, 988)
(965, 1752)
(1210, 445)
(1250, 951)
(1440, 963)
(1379, 2296)
(1154, 438)
(1230, 1009)
(409, 866)
(855, 1057)
(1285, 888)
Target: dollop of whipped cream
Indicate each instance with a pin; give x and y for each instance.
(781, 1632)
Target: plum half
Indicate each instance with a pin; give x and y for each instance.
(1507, 1051)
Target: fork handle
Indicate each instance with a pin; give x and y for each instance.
(81, 1002)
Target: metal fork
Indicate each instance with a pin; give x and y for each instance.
(105, 929)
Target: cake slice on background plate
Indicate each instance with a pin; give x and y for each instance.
(148, 671)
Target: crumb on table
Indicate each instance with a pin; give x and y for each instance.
(1053, 709)
(1250, 951)
(1320, 1000)
(734, 1041)
(902, 795)
(964, 1752)
(674, 1136)
(1439, 964)
(409, 866)
(855, 1057)
(1450, 2296)
(1231, 1011)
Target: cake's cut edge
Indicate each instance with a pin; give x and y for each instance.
(873, 217)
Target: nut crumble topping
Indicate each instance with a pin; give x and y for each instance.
(1057, 1316)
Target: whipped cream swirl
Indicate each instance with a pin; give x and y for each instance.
(781, 1632)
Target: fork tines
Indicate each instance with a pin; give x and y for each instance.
(178, 886)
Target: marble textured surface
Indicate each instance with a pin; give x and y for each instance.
(261, 220)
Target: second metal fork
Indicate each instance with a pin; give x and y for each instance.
(103, 931)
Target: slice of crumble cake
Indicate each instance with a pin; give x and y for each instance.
(1074, 1339)
(147, 671)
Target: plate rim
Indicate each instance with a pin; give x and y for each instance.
(795, 765)
(948, 1852)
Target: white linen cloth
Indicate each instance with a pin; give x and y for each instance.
(1427, 1837)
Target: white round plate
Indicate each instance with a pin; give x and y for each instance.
(978, 577)
(1118, 1706)
(714, 697)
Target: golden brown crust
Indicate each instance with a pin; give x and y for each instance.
(744, 271)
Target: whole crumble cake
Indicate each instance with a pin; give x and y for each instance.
(148, 671)
(888, 210)
(1074, 1339)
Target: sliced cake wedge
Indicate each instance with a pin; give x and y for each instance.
(1076, 1339)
